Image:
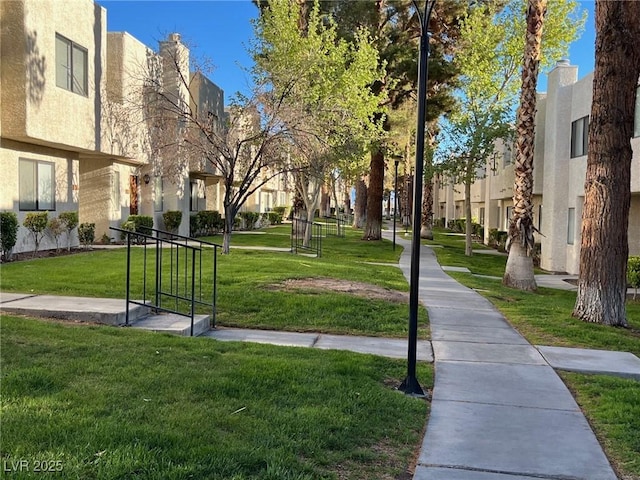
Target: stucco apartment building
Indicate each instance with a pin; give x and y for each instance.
(559, 173)
(71, 138)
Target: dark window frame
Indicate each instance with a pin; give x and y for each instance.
(580, 149)
(71, 82)
(26, 206)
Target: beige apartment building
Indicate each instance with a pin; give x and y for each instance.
(559, 173)
(72, 131)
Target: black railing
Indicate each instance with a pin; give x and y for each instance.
(334, 226)
(177, 280)
(306, 236)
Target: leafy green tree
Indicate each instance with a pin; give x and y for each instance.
(488, 84)
(55, 229)
(322, 80)
(70, 221)
(36, 223)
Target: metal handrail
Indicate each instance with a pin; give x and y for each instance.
(189, 293)
(308, 243)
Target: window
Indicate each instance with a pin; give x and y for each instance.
(158, 192)
(571, 226)
(71, 66)
(506, 156)
(636, 123)
(540, 217)
(509, 215)
(482, 216)
(579, 137)
(37, 187)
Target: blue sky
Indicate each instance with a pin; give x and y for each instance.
(221, 31)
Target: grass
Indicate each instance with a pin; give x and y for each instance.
(251, 275)
(41, 382)
(611, 404)
(120, 403)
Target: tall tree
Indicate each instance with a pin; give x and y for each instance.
(604, 247)
(324, 80)
(519, 270)
(488, 83)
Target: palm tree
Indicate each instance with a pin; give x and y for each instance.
(604, 247)
(519, 269)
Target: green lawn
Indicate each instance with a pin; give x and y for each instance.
(110, 403)
(254, 276)
(104, 377)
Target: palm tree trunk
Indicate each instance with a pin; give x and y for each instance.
(520, 245)
(604, 245)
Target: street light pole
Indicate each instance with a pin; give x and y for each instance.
(396, 159)
(410, 384)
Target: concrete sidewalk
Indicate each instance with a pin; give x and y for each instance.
(499, 411)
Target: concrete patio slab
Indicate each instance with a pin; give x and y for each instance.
(623, 364)
(482, 352)
(385, 347)
(521, 441)
(534, 386)
(468, 333)
(110, 311)
(286, 339)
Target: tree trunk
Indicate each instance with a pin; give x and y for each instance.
(373, 228)
(604, 246)
(229, 216)
(325, 203)
(360, 210)
(519, 271)
(426, 223)
(468, 244)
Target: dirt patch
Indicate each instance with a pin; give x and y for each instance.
(359, 289)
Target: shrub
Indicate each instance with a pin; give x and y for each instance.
(36, 223)
(143, 223)
(194, 225)
(8, 233)
(280, 210)
(633, 274)
(86, 233)
(172, 220)
(70, 221)
(210, 222)
(275, 218)
(55, 229)
(249, 219)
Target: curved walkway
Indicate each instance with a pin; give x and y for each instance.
(499, 411)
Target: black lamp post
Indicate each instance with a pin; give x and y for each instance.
(410, 384)
(396, 159)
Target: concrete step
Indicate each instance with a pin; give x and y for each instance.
(174, 324)
(111, 311)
